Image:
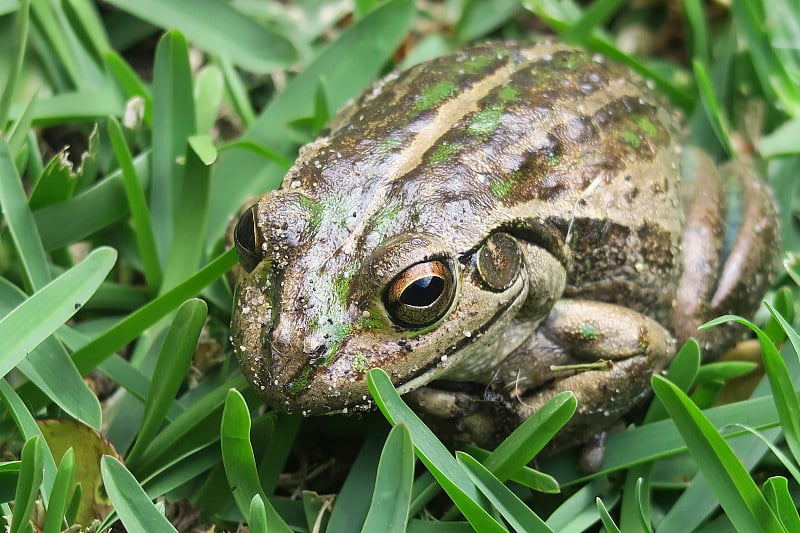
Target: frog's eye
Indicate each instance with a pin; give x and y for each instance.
(247, 240)
(421, 294)
(498, 261)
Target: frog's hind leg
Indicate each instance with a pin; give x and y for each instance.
(730, 246)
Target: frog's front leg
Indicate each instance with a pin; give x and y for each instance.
(730, 246)
(603, 353)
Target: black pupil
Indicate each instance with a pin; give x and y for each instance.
(423, 292)
(245, 236)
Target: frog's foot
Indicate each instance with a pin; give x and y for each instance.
(730, 247)
(603, 353)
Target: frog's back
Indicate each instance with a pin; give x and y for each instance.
(557, 145)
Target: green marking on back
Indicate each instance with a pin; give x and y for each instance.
(473, 65)
(508, 93)
(444, 152)
(432, 96)
(646, 125)
(632, 138)
(389, 145)
(485, 121)
(500, 189)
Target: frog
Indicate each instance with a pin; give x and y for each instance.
(491, 228)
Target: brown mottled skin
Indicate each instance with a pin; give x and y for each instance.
(567, 171)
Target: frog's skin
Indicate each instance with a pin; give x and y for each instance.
(481, 220)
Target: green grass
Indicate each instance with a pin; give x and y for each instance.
(113, 262)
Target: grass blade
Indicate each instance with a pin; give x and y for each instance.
(596, 14)
(98, 349)
(189, 221)
(258, 515)
(85, 22)
(698, 30)
(750, 20)
(240, 464)
(130, 502)
(351, 506)
(727, 477)
(30, 478)
(776, 491)
(783, 392)
(172, 366)
(20, 222)
(54, 518)
(197, 425)
(140, 215)
(18, 53)
(514, 510)
(608, 522)
(209, 89)
(525, 476)
(392, 495)
(100, 206)
(531, 436)
(217, 28)
(39, 316)
(27, 427)
(579, 511)
(173, 123)
(50, 368)
(130, 82)
(711, 105)
(432, 453)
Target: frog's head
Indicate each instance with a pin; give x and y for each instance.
(320, 301)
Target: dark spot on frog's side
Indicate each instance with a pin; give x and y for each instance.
(656, 248)
(599, 246)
